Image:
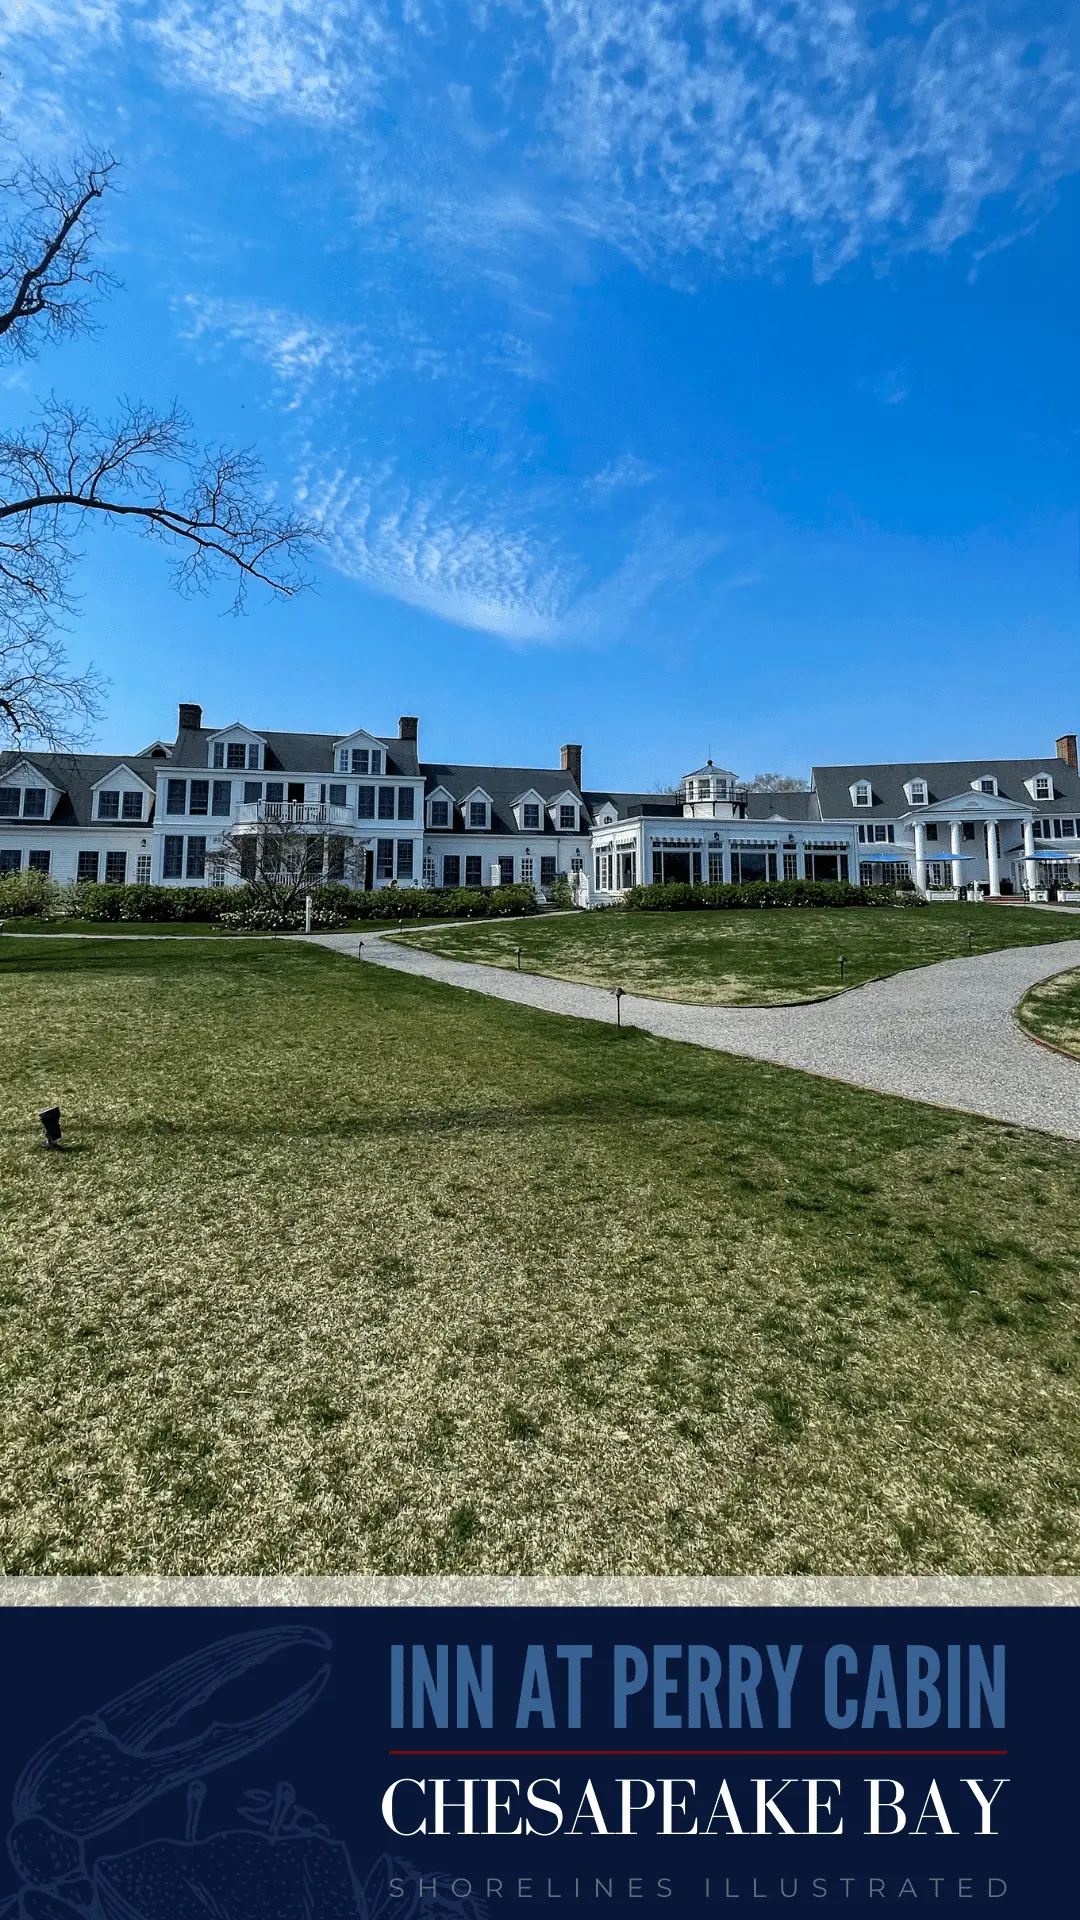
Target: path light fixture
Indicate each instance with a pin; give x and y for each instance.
(843, 964)
(518, 952)
(50, 1120)
(969, 939)
(619, 991)
(359, 949)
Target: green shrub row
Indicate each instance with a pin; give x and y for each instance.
(426, 903)
(27, 894)
(678, 897)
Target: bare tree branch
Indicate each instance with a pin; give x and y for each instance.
(209, 505)
(46, 277)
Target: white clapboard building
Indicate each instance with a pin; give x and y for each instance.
(379, 816)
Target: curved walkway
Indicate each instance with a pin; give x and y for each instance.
(944, 1034)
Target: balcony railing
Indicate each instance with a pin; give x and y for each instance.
(293, 813)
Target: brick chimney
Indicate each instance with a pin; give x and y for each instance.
(189, 717)
(1066, 750)
(408, 727)
(570, 762)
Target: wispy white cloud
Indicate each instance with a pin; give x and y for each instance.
(320, 60)
(625, 471)
(307, 356)
(443, 549)
(449, 551)
(739, 127)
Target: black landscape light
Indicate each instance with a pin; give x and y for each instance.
(518, 952)
(50, 1120)
(843, 964)
(359, 949)
(619, 991)
(969, 939)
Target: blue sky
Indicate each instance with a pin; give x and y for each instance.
(680, 379)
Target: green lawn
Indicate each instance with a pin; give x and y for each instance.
(344, 1270)
(761, 957)
(1051, 1011)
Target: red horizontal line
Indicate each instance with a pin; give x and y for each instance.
(696, 1753)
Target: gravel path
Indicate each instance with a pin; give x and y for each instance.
(945, 1034)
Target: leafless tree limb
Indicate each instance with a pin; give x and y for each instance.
(209, 505)
(46, 274)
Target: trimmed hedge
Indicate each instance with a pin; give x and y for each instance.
(678, 897)
(425, 903)
(25, 894)
(92, 900)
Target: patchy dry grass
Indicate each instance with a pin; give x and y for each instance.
(344, 1270)
(1051, 1011)
(763, 957)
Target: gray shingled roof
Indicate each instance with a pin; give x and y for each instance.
(945, 779)
(294, 752)
(504, 784)
(75, 775)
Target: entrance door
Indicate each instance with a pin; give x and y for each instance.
(506, 870)
(296, 793)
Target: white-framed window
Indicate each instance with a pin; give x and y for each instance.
(38, 860)
(132, 807)
(115, 869)
(143, 866)
(361, 761)
(439, 811)
(861, 795)
(108, 804)
(1043, 789)
(530, 815)
(567, 819)
(716, 867)
(577, 864)
(791, 866)
(985, 784)
(428, 870)
(916, 792)
(478, 813)
(527, 869)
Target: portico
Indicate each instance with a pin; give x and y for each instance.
(974, 828)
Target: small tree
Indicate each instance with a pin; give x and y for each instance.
(278, 862)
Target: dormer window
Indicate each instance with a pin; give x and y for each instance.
(567, 819)
(440, 813)
(861, 795)
(33, 803)
(478, 813)
(530, 816)
(236, 755)
(986, 784)
(1041, 787)
(916, 793)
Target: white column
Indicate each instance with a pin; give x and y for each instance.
(957, 869)
(992, 856)
(1031, 865)
(920, 855)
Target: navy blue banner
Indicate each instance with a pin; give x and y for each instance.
(386, 1764)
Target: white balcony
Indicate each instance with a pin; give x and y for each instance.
(295, 813)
